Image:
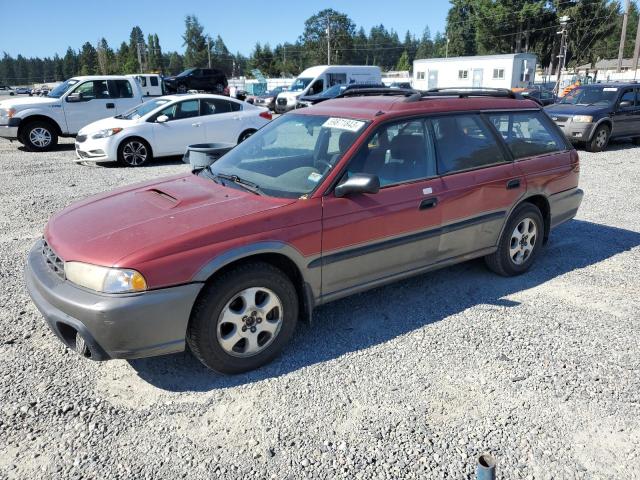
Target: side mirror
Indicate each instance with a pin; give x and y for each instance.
(162, 119)
(358, 183)
(625, 104)
(74, 97)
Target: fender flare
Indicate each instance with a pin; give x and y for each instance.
(600, 122)
(27, 115)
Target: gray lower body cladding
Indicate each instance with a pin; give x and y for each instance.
(113, 326)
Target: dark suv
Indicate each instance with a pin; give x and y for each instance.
(202, 79)
(319, 204)
(594, 114)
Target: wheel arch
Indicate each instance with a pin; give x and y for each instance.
(282, 256)
(39, 118)
(135, 137)
(247, 130)
(603, 121)
(543, 205)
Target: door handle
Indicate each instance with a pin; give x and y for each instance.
(111, 105)
(512, 184)
(428, 203)
(197, 124)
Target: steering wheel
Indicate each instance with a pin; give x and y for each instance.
(327, 165)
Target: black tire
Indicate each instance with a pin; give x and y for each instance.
(501, 261)
(39, 136)
(599, 139)
(218, 295)
(134, 152)
(244, 135)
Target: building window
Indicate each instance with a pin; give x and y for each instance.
(498, 73)
(420, 75)
(463, 74)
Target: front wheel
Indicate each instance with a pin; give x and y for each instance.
(39, 136)
(134, 152)
(600, 139)
(520, 242)
(243, 318)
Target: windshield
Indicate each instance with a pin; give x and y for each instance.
(186, 72)
(143, 109)
(290, 156)
(300, 84)
(591, 96)
(62, 88)
(333, 91)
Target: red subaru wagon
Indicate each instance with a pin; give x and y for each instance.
(319, 204)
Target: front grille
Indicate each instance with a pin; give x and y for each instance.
(559, 118)
(282, 101)
(80, 138)
(83, 154)
(53, 261)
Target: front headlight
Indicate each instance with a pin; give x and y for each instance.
(582, 118)
(7, 112)
(105, 279)
(107, 132)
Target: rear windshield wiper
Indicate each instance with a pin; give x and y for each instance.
(246, 184)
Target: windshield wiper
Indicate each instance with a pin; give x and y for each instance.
(246, 184)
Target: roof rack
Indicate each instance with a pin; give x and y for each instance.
(465, 92)
(365, 92)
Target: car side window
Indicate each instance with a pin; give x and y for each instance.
(211, 106)
(121, 89)
(464, 142)
(397, 153)
(180, 110)
(153, 81)
(629, 96)
(527, 133)
(93, 89)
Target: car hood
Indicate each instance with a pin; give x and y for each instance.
(169, 79)
(290, 95)
(153, 218)
(110, 122)
(567, 109)
(23, 103)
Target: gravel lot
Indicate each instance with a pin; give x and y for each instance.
(413, 380)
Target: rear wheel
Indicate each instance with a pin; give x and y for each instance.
(134, 152)
(39, 136)
(600, 139)
(244, 135)
(243, 318)
(520, 242)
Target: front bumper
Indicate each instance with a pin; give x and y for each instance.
(97, 150)
(112, 326)
(8, 132)
(577, 132)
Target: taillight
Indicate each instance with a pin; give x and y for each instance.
(266, 115)
(226, 91)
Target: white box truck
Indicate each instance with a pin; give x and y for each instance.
(514, 70)
(317, 79)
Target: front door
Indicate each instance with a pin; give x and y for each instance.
(183, 128)
(626, 119)
(96, 103)
(370, 237)
(477, 77)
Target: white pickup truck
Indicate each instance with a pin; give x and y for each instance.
(37, 122)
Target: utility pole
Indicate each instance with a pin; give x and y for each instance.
(562, 56)
(446, 48)
(209, 49)
(139, 45)
(623, 35)
(328, 41)
(636, 52)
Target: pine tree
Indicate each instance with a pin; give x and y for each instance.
(403, 62)
(196, 51)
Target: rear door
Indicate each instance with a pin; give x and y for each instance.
(480, 184)
(96, 104)
(183, 128)
(221, 120)
(371, 237)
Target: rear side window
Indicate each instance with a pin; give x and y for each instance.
(212, 106)
(464, 142)
(121, 89)
(154, 81)
(527, 134)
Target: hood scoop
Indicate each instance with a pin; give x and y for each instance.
(159, 198)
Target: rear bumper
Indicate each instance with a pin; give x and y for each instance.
(113, 326)
(564, 205)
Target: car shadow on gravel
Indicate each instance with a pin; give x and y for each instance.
(61, 147)
(379, 315)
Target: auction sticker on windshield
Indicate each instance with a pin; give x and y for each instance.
(610, 89)
(343, 124)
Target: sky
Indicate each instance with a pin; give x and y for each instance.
(41, 28)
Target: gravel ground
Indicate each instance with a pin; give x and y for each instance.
(413, 380)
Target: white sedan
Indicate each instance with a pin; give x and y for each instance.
(165, 126)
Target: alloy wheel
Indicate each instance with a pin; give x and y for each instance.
(40, 137)
(249, 322)
(134, 153)
(601, 138)
(523, 241)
